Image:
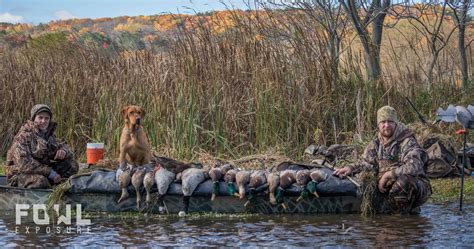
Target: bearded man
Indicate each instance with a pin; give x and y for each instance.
(397, 160)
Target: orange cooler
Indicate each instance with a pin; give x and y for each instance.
(94, 152)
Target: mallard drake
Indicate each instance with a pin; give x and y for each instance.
(226, 167)
(216, 174)
(287, 177)
(229, 178)
(257, 179)
(302, 179)
(317, 176)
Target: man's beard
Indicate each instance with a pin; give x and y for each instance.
(387, 133)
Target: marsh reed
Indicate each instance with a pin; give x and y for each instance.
(256, 85)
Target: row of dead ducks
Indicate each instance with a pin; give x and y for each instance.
(167, 171)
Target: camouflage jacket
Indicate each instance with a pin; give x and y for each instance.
(401, 153)
(32, 151)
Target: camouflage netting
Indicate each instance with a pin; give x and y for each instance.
(428, 134)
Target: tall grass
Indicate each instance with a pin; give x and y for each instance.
(255, 85)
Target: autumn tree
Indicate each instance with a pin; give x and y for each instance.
(428, 18)
(362, 15)
(460, 9)
(328, 15)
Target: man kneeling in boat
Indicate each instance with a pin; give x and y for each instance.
(36, 158)
(397, 159)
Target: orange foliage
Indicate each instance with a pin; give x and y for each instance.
(167, 22)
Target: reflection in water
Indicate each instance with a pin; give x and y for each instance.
(436, 226)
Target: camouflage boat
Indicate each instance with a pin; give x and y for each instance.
(99, 192)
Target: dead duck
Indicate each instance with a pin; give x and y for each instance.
(273, 184)
(302, 179)
(163, 179)
(166, 174)
(242, 178)
(229, 178)
(215, 174)
(258, 180)
(137, 181)
(191, 178)
(148, 182)
(287, 177)
(317, 176)
(226, 167)
(124, 180)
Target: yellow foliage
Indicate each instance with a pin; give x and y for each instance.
(22, 27)
(84, 30)
(130, 27)
(57, 26)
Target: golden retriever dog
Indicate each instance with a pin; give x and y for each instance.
(134, 150)
(134, 145)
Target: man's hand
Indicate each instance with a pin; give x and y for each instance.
(343, 171)
(387, 176)
(57, 178)
(60, 155)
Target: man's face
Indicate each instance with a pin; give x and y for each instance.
(387, 128)
(42, 120)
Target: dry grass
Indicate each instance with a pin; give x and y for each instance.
(255, 86)
(448, 190)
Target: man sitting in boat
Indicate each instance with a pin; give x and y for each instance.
(36, 158)
(397, 159)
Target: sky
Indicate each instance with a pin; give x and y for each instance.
(43, 11)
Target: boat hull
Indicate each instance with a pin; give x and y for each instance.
(100, 201)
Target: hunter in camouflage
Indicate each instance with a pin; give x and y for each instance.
(396, 158)
(36, 158)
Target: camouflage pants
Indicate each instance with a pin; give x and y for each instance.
(406, 194)
(65, 168)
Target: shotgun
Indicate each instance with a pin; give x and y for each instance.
(417, 112)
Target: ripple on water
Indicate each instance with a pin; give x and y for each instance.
(437, 225)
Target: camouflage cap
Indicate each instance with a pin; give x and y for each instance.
(40, 108)
(386, 113)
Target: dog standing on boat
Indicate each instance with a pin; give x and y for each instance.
(134, 146)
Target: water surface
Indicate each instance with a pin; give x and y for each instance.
(437, 225)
